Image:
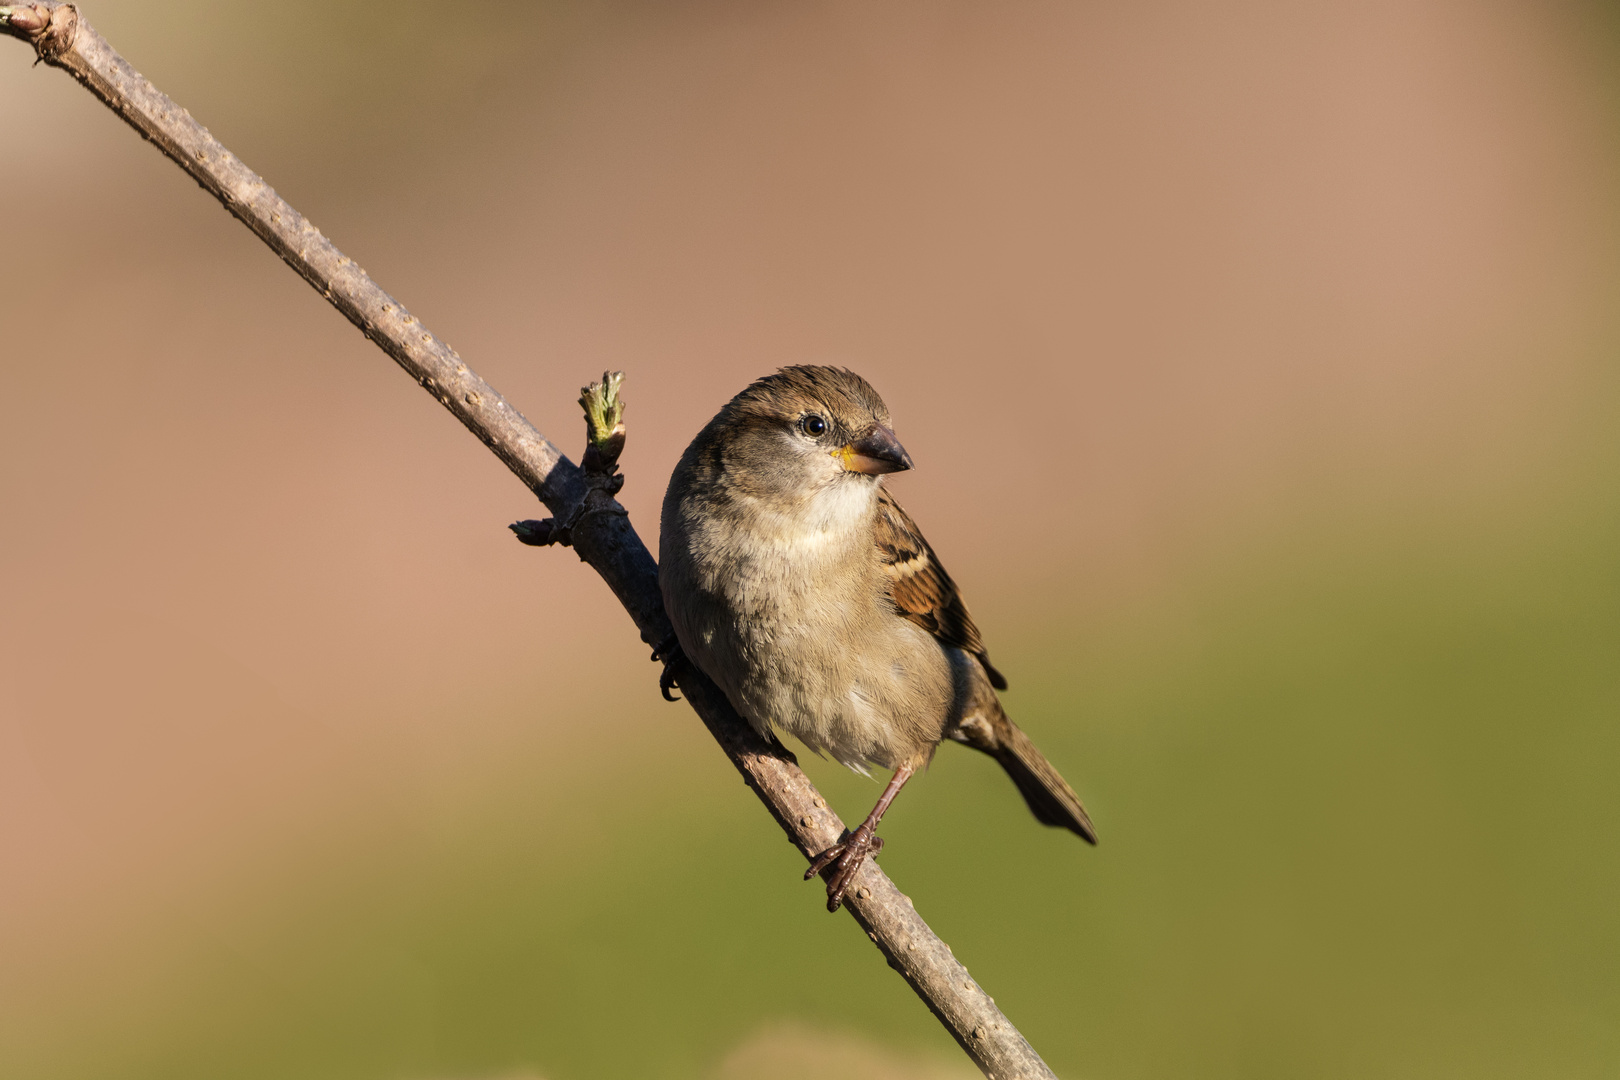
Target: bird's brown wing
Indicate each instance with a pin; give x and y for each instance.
(921, 589)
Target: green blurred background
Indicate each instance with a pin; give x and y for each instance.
(1260, 362)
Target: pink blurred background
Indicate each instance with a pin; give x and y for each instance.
(1159, 295)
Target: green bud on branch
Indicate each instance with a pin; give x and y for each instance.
(604, 423)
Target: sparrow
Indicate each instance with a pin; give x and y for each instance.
(796, 582)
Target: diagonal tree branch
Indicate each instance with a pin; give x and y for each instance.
(598, 528)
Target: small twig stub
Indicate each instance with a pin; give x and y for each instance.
(49, 28)
(604, 425)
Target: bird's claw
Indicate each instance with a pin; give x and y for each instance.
(668, 650)
(848, 855)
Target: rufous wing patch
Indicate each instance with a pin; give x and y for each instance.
(921, 589)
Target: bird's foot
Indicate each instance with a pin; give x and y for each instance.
(848, 855)
(669, 651)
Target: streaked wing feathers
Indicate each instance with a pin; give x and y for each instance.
(921, 589)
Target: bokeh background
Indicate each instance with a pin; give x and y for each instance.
(1260, 361)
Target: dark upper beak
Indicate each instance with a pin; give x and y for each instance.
(874, 453)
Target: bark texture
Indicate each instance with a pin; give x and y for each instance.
(595, 524)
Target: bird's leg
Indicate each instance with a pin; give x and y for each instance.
(851, 852)
(668, 650)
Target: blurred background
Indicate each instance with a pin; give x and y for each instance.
(1260, 362)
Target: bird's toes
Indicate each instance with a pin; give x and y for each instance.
(856, 851)
(666, 684)
(666, 648)
(669, 651)
(820, 862)
(839, 883)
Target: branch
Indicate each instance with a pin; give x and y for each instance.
(582, 500)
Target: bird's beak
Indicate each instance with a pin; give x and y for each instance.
(874, 453)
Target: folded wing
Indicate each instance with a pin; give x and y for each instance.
(921, 589)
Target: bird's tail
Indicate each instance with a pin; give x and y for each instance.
(1050, 798)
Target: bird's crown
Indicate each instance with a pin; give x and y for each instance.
(790, 391)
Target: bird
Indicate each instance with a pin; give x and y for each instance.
(795, 581)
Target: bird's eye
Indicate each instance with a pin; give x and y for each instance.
(813, 426)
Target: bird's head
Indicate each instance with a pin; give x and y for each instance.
(804, 428)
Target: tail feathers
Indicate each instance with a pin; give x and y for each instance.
(1050, 798)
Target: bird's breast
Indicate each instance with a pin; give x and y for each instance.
(796, 625)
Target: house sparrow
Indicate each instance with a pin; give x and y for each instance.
(797, 583)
